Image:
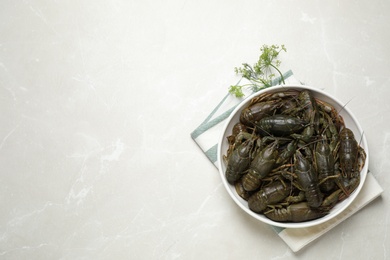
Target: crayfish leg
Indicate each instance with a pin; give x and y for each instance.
(331, 200)
(347, 185)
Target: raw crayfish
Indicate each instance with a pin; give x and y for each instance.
(291, 157)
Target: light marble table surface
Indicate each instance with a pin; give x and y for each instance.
(98, 100)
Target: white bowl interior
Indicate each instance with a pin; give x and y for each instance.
(350, 122)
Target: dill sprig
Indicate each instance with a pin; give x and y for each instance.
(261, 74)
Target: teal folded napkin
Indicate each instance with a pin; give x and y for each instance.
(207, 134)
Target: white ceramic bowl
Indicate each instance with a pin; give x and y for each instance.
(350, 122)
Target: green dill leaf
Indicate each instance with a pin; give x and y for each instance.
(236, 91)
(260, 75)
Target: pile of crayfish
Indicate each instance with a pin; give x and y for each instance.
(291, 157)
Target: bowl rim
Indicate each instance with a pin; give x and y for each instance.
(261, 217)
